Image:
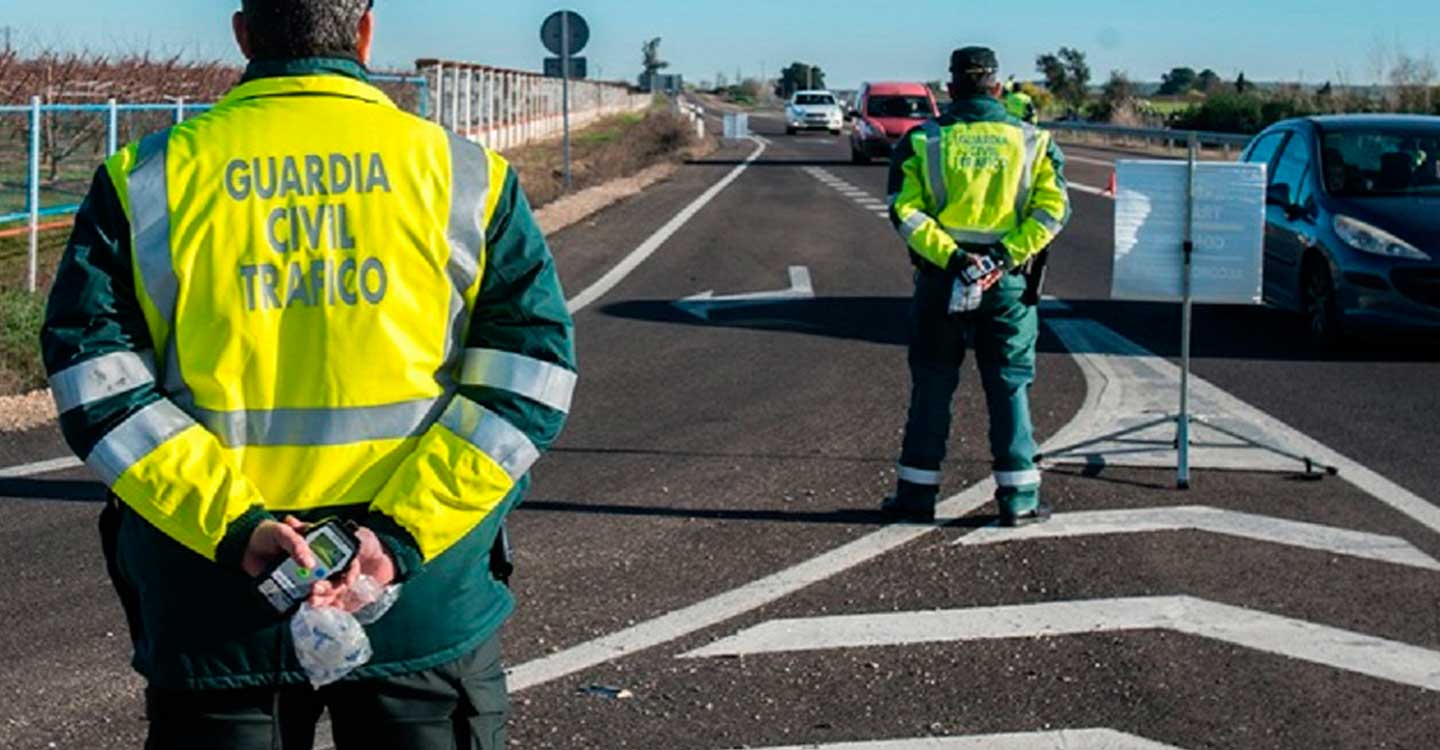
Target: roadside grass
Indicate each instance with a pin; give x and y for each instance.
(21, 314)
(613, 148)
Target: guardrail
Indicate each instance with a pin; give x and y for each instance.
(1170, 138)
(505, 108)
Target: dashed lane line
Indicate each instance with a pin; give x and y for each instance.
(1065, 739)
(1346, 650)
(1360, 544)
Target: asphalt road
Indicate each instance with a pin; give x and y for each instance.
(717, 488)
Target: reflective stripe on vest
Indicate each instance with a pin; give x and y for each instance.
(1051, 224)
(1027, 175)
(935, 164)
(135, 438)
(100, 378)
(912, 224)
(487, 431)
(975, 238)
(150, 210)
(470, 189)
(539, 381)
(312, 427)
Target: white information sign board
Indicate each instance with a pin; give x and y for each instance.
(1150, 232)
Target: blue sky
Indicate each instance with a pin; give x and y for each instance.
(852, 40)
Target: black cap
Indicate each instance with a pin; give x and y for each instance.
(974, 60)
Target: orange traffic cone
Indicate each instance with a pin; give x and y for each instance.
(1112, 188)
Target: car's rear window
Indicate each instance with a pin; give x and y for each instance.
(1382, 162)
(912, 107)
(814, 99)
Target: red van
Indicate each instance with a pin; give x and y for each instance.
(883, 113)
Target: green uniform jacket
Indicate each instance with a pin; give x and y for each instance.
(199, 624)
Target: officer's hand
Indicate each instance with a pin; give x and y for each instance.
(989, 280)
(372, 560)
(272, 542)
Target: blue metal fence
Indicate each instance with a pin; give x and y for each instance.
(34, 208)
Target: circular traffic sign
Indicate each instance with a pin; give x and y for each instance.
(552, 33)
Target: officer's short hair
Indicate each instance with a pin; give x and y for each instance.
(974, 70)
(291, 29)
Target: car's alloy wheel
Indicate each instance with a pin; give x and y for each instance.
(1322, 304)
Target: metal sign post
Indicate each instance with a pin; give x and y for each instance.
(1182, 432)
(565, 90)
(565, 34)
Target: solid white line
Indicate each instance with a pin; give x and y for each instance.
(1088, 160)
(1088, 189)
(751, 596)
(1064, 739)
(1337, 541)
(1347, 650)
(647, 248)
(1126, 383)
(41, 467)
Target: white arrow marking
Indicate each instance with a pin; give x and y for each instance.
(701, 304)
(41, 467)
(1262, 631)
(1216, 521)
(1065, 739)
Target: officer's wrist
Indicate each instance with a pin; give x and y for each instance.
(404, 550)
(230, 553)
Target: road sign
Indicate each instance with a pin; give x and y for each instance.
(552, 33)
(578, 67)
(1150, 232)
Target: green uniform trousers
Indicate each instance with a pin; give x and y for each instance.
(1003, 333)
(457, 706)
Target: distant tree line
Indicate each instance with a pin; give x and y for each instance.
(1203, 100)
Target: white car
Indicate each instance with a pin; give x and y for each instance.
(814, 110)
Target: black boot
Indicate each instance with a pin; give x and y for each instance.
(910, 503)
(1040, 514)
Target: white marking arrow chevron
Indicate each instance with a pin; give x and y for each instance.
(1262, 631)
(1216, 521)
(1065, 739)
(701, 304)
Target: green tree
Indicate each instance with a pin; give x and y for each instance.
(1208, 81)
(1067, 75)
(651, 58)
(799, 77)
(1178, 81)
(1117, 97)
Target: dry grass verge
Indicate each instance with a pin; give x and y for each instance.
(615, 148)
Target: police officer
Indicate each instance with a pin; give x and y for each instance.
(1019, 104)
(976, 183)
(307, 303)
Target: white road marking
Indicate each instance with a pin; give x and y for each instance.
(1337, 541)
(1347, 650)
(41, 467)
(1089, 189)
(647, 248)
(1088, 160)
(1127, 384)
(733, 603)
(700, 305)
(1064, 739)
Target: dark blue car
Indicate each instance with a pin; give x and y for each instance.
(1353, 221)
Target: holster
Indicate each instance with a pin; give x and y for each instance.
(502, 564)
(1034, 271)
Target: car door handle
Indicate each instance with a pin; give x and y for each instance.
(1304, 239)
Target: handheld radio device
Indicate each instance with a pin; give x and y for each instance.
(972, 274)
(334, 547)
